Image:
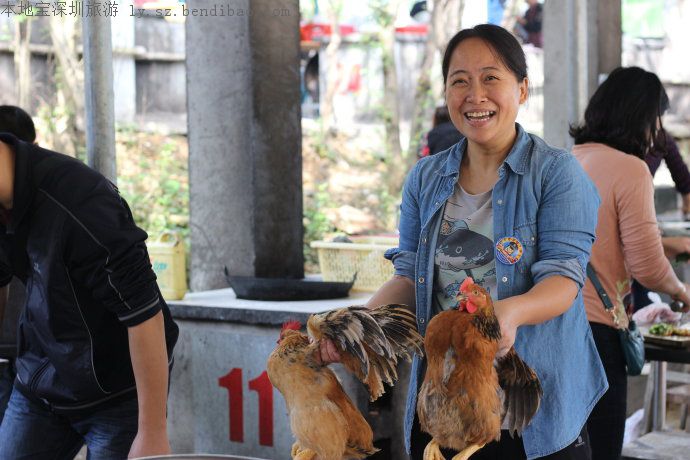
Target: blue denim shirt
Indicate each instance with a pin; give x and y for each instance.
(545, 199)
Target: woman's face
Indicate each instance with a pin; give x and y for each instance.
(483, 95)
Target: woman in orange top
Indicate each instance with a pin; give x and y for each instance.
(622, 123)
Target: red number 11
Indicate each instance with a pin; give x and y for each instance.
(262, 385)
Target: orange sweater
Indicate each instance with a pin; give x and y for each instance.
(628, 241)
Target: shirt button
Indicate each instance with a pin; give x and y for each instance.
(499, 201)
(421, 320)
(421, 280)
(424, 240)
(504, 279)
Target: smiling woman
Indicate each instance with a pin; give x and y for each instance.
(517, 216)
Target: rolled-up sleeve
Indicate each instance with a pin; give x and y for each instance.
(108, 257)
(403, 262)
(404, 256)
(566, 222)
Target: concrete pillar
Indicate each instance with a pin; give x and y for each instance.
(610, 31)
(244, 122)
(99, 101)
(124, 66)
(582, 39)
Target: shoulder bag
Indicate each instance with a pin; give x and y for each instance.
(631, 338)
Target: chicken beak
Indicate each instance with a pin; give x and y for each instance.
(462, 300)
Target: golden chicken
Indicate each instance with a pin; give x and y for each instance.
(467, 393)
(323, 419)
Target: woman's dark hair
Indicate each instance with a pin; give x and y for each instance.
(623, 112)
(504, 44)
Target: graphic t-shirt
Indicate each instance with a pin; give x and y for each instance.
(465, 247)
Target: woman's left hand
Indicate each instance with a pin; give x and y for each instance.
(509, 324)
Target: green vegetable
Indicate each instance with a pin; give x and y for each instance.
(661, 329)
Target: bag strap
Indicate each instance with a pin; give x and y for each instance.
(592, 275)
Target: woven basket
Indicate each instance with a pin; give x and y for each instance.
(341, 261)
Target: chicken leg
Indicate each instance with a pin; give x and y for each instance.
(467, 452)
(432, 451)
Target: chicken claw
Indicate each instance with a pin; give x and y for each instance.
(432, 451)
(467, 452)
(296, 449)
(306, 454)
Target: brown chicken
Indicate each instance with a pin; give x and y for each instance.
(323, 419)
(467, 393)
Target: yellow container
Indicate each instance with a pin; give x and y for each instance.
(340, 261)
(167, 255)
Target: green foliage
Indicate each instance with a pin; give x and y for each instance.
(316, 223)
(380, 12)
(152, 177)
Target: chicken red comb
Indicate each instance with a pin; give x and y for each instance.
(466, 284)
(294, 325)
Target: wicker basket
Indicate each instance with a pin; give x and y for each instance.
(340, 261)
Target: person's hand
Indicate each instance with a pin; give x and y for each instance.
(327, 352)
(686, 204)
(675, 245)
(683, 295)
(148, 443)
(509, 324)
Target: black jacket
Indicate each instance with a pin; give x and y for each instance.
(72, 240)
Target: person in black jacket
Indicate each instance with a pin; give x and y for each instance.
(95, 337)
(16, 121)
(529, 25)
(442, 136)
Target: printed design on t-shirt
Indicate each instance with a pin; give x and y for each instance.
(452, 289)
(464, 248)
(461, 248)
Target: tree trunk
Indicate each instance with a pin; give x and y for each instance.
(332, 73)
(22, 61)
(68, 111)
(446, 16)
(385, 13)
(511, 11)
(391, 111)
(450, 21)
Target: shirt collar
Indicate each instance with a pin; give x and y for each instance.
(517, 158)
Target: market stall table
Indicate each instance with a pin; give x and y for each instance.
(660, 444)
(659, 357)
